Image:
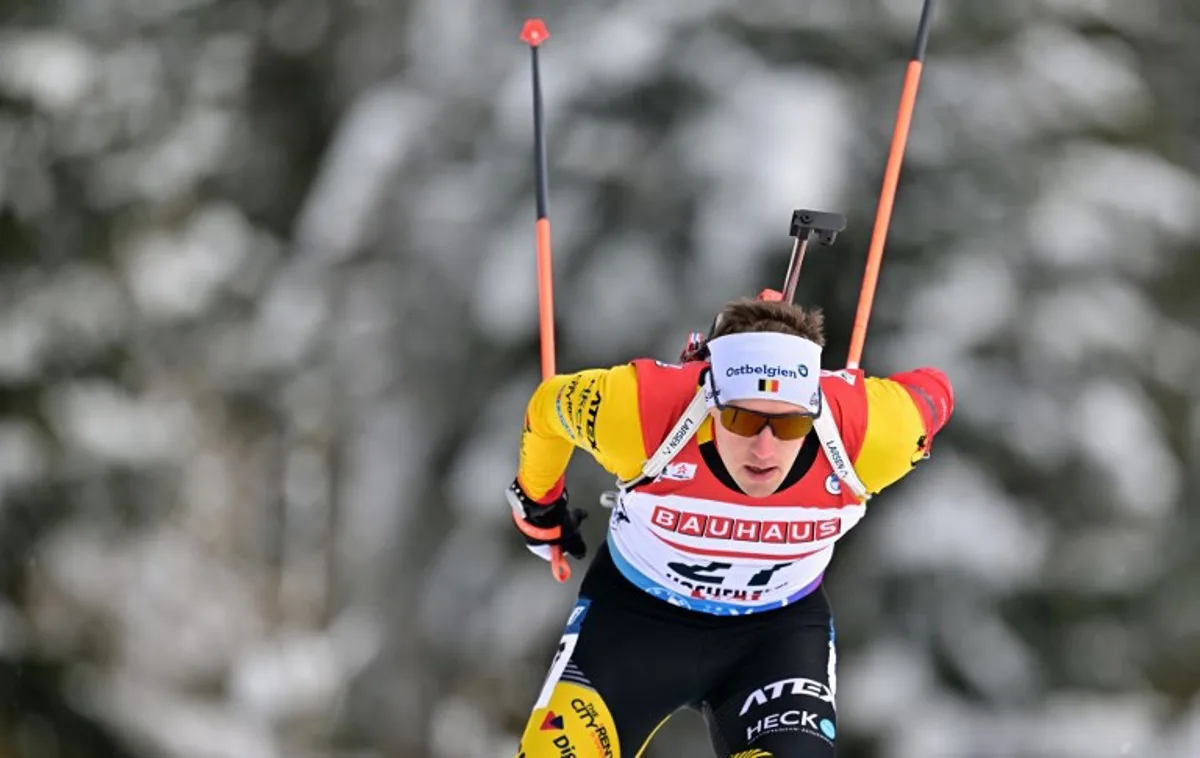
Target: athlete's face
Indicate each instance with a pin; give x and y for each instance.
(759, 463)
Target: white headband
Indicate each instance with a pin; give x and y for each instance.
(765, 366)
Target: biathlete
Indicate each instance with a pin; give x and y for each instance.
(738, 471)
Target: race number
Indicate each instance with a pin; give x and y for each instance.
(716, 572)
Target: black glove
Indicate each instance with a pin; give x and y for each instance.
(552, 516)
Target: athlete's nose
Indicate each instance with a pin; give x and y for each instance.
(763, 444)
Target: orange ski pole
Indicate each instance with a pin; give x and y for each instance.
(534, 33)
(891, 178)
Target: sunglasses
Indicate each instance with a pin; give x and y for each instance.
(745, 423)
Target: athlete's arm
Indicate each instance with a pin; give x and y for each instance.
(904, 412)
(596, 410)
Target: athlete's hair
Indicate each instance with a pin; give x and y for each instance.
(750, 315)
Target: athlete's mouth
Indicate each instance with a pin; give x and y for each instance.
(760, 472)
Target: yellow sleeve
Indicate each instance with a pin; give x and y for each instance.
(596, 410)
(894, 427)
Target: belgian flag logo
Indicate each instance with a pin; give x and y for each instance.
(768, 385)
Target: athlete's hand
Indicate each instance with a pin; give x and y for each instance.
(546, 524)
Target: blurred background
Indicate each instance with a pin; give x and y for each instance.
(268, 325)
